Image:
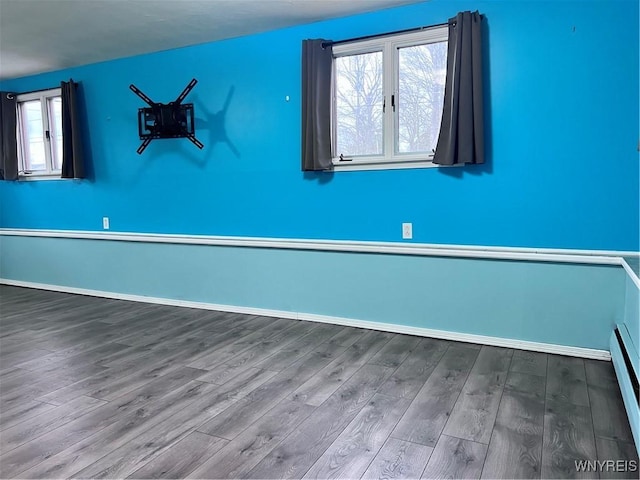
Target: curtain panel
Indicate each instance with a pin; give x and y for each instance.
(317, 68)
(72, 148)
(8, 138)
(461, 138)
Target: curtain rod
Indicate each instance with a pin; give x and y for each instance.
(368, 37)
(39, 90)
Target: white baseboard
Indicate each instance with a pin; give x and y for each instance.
(348, 322)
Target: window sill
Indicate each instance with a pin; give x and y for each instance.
(39, 176)
(354, 165)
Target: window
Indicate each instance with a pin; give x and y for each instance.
(40, 133)
(388, 99)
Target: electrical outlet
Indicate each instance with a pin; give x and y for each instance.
(407, 231)
(105, 223)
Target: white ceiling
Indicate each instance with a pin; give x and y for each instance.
(43, 35)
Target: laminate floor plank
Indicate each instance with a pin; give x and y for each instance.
(566, 380)
(68, 449)
(395, 351)
(118, 311)
(50, 318)
(168, 327)
(293, 457)
(300, 348)
(18, 338)
(97, 382)
(22, 412)
(235, 344)
(27, 383)
(515, 449)
(232, 421)
(24, 355)
(623, 455)
(182, 349)
(600, 373)
(221, 322)
(120, 449)
(426, 417)
(136, 454)
(175, 324)
(36, 426)
(127, 355)
(322, 385)
(25, 341)
(256, 354)
(348, 336)
(127, 383)
(398, 459)
(82, 333)
(568, 437)
(201, 327)
(34, 391)
(414, 371)
(126, 459)
(68, 373)
(532, 363)
(182, 457)
(614, 425)
(72, 357)
(455, 458)
(245, 451)
(474, 413)
(189, 349)
(351, 453)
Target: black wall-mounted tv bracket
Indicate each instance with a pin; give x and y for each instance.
(169, 120)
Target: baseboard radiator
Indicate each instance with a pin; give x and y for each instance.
(624, 355)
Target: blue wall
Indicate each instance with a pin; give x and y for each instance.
(562, 98)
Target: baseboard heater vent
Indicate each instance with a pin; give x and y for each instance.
(633, 377)
(626, 363)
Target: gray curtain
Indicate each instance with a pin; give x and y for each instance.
(317, 67)
(461, 137)
(72, 150)
(8, 142)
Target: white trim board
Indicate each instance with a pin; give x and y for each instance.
(630, 272)
(600, 257)
(349, 322)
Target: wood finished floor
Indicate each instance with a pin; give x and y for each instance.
(99, 388)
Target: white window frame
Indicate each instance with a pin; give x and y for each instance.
(44, 96)
(388, 45)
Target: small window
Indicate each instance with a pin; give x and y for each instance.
(40, 133)
(388, 100)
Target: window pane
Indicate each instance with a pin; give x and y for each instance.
(422, 73)
(33, 136)
(359, 104)
(55, 124)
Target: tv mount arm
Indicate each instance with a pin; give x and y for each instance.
(185, 92)
(138, 92)
(159, 110)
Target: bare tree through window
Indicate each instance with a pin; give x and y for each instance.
(422, 72)
(419, 100)
(359, 100)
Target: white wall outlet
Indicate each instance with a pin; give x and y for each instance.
(105, 223)
(407, 231)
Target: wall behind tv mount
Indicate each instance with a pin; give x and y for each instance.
(562, 196)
